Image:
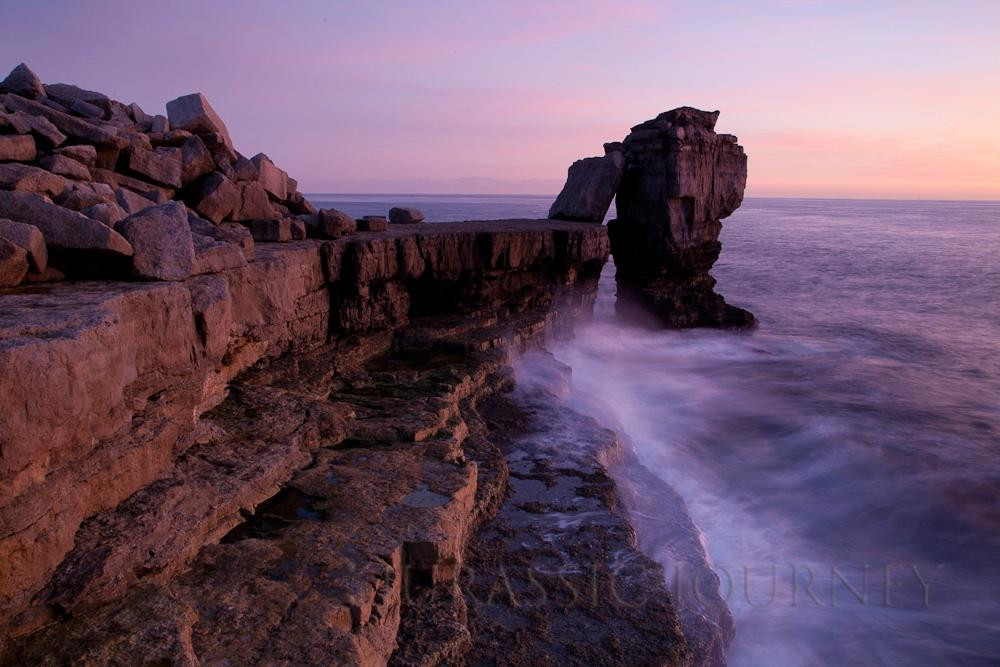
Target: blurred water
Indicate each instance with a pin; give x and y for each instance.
(858, 430)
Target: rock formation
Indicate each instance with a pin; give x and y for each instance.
(590, 186)
(236, 429)
(678, 181)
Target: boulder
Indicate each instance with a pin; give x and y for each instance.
(272, 179)
(372, 223)
(110, 214)
(216, 197)
(25, 178)
(254, 203)
(64, 166)
(13, 263)
(85, 155)
(590, 187)
(298, 228)
(161, 239)
(212, 256)
(91, 131)
(329, 223)
(61, 227)
(405, 216)
(196, 161)
(162, 165)
(22, 81)
(41, 127)
(29, 238)
(270, 231)
(143, 121)
(17, 147)
(194, 114)
(160, 124)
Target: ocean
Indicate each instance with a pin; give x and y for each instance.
(843, 460)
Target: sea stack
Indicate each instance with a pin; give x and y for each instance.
(681, 179)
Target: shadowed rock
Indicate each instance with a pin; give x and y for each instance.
(22, 81)
(590, 187)
(61, 227)
(17, 147)
(162, 242)
(13, 263)
(29, 238)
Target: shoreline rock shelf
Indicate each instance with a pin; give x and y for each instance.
(237, 428)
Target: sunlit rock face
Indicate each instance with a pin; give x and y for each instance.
(681, 179)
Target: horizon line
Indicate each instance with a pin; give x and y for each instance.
(553, 196)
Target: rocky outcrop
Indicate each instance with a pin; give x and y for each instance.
(678, 180)
(590, 186)
(681, 180)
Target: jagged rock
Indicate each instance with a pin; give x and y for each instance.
(22, 81)
(216, 197)
(298, 228)
(61, 227)
(143, 121)
(212, 256)
(25, 178)
(196, 161)
(590, 187)
(108, 213)
(162, 165)
(681, 179)
(41, 127)
(95, 132)
(270, 231)
(254, 203)
(64, 166)
(372, 223)
(405, 216)
(329, 223)
(161, 239)
(85, 155)
(194, 114)
(272, 179)
(17, 147)
(13, 263)
(29, 238)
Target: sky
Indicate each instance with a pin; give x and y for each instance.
(830, 98)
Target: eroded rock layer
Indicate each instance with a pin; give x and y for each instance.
(285, 461)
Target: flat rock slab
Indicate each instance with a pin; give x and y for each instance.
(61, 227)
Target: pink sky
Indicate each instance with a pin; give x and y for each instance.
(830, 98)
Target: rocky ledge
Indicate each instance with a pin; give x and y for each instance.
(237, 430)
